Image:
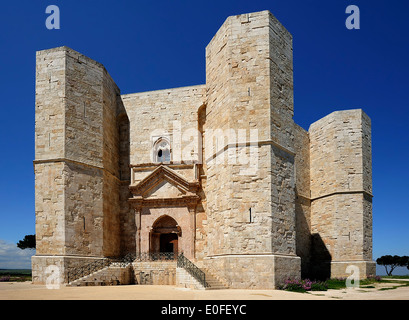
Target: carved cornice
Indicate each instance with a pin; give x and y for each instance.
(139, 202)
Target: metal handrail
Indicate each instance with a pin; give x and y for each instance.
(75, 273)
(193, 270)
(85, 270)
(155, 256)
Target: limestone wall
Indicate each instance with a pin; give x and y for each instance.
(77, 156)
(341, 186)
(50, 104)
(283, 205)
(155, 273)
(92, 138)
(240, 61)
(83, 210)
(84, 112)
(280, 60)
(340, 153)
(302, 197)
(49, 208)
(171, 113)
(249, 81)
(50, 144)
(53, 269)
(271, 191)
(339, 222)
(254, 271)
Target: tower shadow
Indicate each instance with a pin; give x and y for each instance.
(320, 259)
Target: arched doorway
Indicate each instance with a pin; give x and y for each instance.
(164, 236)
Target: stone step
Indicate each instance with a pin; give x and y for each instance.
(213, 281)
(188, 281)
(107, 276)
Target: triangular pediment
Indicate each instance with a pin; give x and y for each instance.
(164, 182)
(163, 189)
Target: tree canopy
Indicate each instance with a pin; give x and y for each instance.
(29, 242)
(392, 262)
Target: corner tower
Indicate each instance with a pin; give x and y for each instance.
(76, 162)
(249, 152)
(341, 194)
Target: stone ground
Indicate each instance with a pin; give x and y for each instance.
(28, 291)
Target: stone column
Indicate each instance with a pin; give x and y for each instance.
(138, 211)
(192, 232)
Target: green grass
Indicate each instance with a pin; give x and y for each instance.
(395, 277)
(339, 284)
(391, 288)
(336, 284)
(400, 284)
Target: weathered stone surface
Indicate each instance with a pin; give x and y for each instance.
(155, 273)
(341, 186)
(218, 171)
(77, 156)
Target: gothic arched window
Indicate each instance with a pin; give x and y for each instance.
(161, 150)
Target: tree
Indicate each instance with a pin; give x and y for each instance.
(29, 242)
(392, 262)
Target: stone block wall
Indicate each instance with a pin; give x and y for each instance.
(111, 275)
(53, 269)
(275, 200)
(77, 156)
(254, 271)
(155, 273)
(281, 97)
(340, 153)
(341, 189)
(50, 144)
(249, 89)
(83, 210)
(84, 112)
(50, 104)
(49, 208)
(302, 197)
(171, 113)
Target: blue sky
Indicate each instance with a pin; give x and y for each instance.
(147, 45)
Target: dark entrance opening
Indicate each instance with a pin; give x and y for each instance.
(164, 236)
(168, 242)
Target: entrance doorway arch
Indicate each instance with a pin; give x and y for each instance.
(164, 235)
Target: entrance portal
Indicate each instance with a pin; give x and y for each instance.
(169, 242)
(164, 236)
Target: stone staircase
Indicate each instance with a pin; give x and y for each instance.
(213, 281)
(185, 280)
(111, 275)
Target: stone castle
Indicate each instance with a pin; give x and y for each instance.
(218, 171)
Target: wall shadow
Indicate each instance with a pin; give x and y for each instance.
(320, 259)
(126, 214)
(302, 231)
